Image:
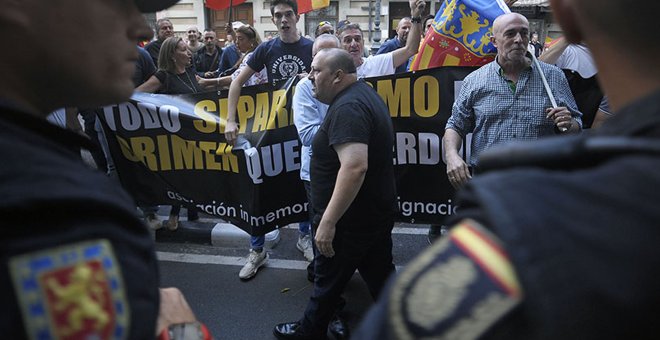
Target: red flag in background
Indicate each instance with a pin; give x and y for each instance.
(222, 4)
(460, 34)
(305, 6)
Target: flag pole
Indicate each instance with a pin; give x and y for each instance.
(231, 7)
(546, 86)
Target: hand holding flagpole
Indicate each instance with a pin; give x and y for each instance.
(547, 88)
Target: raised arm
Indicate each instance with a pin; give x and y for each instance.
(551, 54)
(402, 55)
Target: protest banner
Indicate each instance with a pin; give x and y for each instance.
(172, 150)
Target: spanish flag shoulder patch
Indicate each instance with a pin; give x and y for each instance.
(458, 288)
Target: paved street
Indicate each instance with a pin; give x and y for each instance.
(234, 309)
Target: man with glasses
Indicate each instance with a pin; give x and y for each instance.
(207, 59)
(324, 27)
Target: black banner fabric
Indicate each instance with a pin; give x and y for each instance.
(172, 150)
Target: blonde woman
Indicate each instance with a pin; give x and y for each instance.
(247, 39)
(174, 76)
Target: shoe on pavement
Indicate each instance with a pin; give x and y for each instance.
(305, 246)
(310, 272)
(272, 238)
(254, 261)
(338, 328)
(293, 330)
(435, 232)
(152, 221)
(172, 224)
(193, 215)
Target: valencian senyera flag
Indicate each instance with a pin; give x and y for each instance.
(460, 34)
(305, 6)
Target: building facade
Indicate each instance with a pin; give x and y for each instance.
(257, 13)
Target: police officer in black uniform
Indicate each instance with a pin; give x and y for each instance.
(557, 239)
(75, 262)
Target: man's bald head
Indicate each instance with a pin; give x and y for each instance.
(325, 41)
(339, 59)
(504, 19)
(511, 36)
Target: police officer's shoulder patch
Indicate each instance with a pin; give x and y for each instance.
(458, 288)
(74, 291)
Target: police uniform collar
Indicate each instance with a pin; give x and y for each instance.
(41, 126)
(636, 118)
(565, 152)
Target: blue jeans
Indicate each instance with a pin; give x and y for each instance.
(257, 242)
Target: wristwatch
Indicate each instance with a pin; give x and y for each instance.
(416, 20)
(186, 331)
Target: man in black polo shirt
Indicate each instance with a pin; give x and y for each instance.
(353, 191)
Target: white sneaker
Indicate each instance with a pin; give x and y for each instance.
(305, 246)
(254, 262)
(172, 224)
(152, 221)
(272, 238)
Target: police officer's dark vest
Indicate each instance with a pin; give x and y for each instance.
(580, 218)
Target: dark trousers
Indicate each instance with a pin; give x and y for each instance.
(192, 213)
(312, 230)
(370, 253)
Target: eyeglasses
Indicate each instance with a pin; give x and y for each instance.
(192, 31)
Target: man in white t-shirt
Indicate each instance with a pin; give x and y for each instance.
(352, 41)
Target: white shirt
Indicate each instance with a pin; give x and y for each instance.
(578, 58)
(376, 65)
